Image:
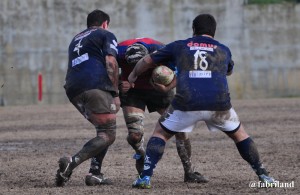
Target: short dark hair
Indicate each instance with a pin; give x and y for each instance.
(96, 18)
(204, 24)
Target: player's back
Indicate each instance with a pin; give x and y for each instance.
(202, 65)
(86, 67)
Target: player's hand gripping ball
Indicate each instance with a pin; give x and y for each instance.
(162, 75)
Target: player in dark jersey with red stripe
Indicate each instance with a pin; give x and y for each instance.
(127, 63)
(155, 97)
(92, 87)
(202, 94)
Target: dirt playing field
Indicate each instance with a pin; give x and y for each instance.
(33, 138)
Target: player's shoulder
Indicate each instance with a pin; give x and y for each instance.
(223, 46)
(100, 32)
(127, 42)
(179, 42)
(149, 41)
(143, 40)
(83, 34)
(176, 44)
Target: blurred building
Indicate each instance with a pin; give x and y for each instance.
(34, 38)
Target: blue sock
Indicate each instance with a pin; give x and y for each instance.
(155, 150)
(249, 153)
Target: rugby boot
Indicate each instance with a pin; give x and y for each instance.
(195, 177)
(143, 183)
(64, 172)
(266, 181)
(264, 178)
(94, 180)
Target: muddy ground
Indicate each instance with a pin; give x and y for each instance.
(33, 138)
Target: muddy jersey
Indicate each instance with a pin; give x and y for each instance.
(86, 67)
(202, 65)
(143, 81)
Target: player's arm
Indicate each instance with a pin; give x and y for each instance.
(112, 71)
(230, 67)
(113, 74)
(142, 66)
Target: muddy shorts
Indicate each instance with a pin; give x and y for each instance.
(94, 101)
(153, 99)
(185, 121)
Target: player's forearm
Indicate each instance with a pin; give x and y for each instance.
(143, 65)
(113, 71)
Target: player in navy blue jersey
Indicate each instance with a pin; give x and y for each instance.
(202, 94)
(153, 96)
(92, 87)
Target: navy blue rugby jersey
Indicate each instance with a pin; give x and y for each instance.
(86, 67)
(202, 65)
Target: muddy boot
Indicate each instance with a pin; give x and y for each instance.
(195, 177)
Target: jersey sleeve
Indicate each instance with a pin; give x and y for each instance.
(230, 66)
(154, 47)
(110, 45)
(163, 55)
(230, 61)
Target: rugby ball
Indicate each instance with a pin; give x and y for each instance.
(162, 75)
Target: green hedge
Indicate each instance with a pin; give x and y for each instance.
(270, 1)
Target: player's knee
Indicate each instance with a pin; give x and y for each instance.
(107, 131)
(134, 137)
(135, 126)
